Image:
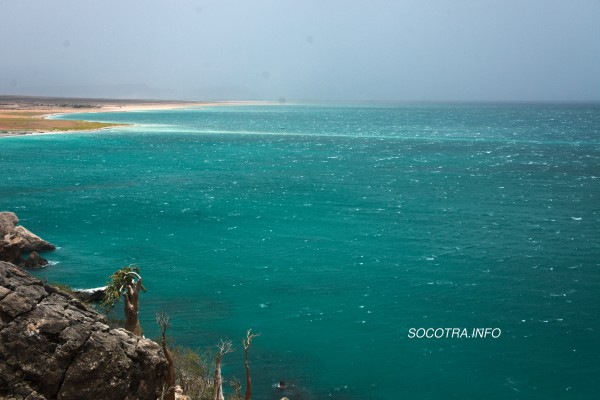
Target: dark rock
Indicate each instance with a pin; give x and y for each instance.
(53, 346)
(13, 278)
(14, 304)
(11, 249)
(35, 260)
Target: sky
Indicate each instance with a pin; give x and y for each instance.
(319, 50)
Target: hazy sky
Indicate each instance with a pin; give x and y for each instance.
(411, 50)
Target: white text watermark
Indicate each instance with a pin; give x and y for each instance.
(454, 333)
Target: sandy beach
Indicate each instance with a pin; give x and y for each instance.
(23, 115)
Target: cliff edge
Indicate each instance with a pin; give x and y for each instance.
(53, 347)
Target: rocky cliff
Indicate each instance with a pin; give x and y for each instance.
(53, 347)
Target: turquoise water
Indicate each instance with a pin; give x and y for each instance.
(333, 230)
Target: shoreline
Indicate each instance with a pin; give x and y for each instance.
(25, 116)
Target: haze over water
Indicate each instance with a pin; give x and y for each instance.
(387, 50)
(333, 230)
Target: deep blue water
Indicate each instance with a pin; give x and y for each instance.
(333, 230)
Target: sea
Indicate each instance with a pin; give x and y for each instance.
(382, 251)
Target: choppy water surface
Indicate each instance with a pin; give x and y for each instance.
(333, 230)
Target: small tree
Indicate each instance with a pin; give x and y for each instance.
(123, 283)
(246, 343)
(163, 321)
(223, 348)
(194, 373)
(235, 384)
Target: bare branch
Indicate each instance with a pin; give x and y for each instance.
(248, 340)
(225, 347)
(163, 319)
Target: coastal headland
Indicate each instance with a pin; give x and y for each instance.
(23, 115)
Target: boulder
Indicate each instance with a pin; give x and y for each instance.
(35, 260)
(53, 347)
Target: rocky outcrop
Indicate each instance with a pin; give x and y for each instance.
(16, 240)
(31, 242)
(35, 260)
(53, 347)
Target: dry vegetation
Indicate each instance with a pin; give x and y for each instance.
(33, 121)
